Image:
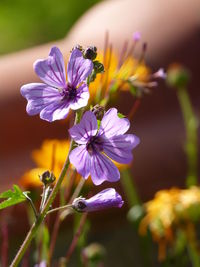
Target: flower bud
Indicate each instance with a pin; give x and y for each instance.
(47, 178)
(77, 47)
(98, 111)
(93, 253)
(136, 36)
(41, 264)
(107, 198)
(98, 67)
(177, 76)
(90, 52)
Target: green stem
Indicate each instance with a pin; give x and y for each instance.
(191, 144)
(31, 203)
(44, 211)
(60, 208)
(129, 188)
(193, 255)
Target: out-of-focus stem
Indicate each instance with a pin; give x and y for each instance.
(58, 219)
(76, 237)
(129, 188)
(134, 108)
(191, 144)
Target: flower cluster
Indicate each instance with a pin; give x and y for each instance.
(169, 212)
(98, 142)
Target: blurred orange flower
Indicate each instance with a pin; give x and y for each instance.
(169, 211)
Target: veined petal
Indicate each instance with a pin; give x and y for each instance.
(55, 111)
(78, 68)
(85, 129)
(119, 147)
(107, 198)
(52, 70)
(112, 125)
(80, 158)
(81, 99)
(102, 169)
(39, 96)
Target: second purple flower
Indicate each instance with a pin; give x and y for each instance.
(96, 146)
(54, 98)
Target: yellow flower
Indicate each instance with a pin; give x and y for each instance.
(31, 179)
(51, 155)
(170, 211)
(117, 74)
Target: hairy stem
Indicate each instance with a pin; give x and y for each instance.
(46, 207)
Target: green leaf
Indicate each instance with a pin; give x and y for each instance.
(12, 197)
(120, 115)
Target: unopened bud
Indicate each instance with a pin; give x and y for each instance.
(136, 36)
(177, 76)
(90, 52)
(47, 178)
(77, 47)
(107, 198)
(93, 253)
(98, 67)
(98, 111)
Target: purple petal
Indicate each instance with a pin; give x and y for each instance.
(107, 198)
(80, 158)
(52, 70)
(119, 148)
(102, 169)
(78, 68)
(39, 96)
(81, 99)
(85, 129)
(112, 125)
(55, 111)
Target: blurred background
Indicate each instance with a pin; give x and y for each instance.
(172, 31)
(28, 23)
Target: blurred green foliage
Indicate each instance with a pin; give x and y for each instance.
(25, 23)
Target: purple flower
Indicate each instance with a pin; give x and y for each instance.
(107, 198)
(54, 98)
(96, 145)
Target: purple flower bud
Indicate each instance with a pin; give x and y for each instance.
(136, 36)
(107, 198)
(41, 264)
